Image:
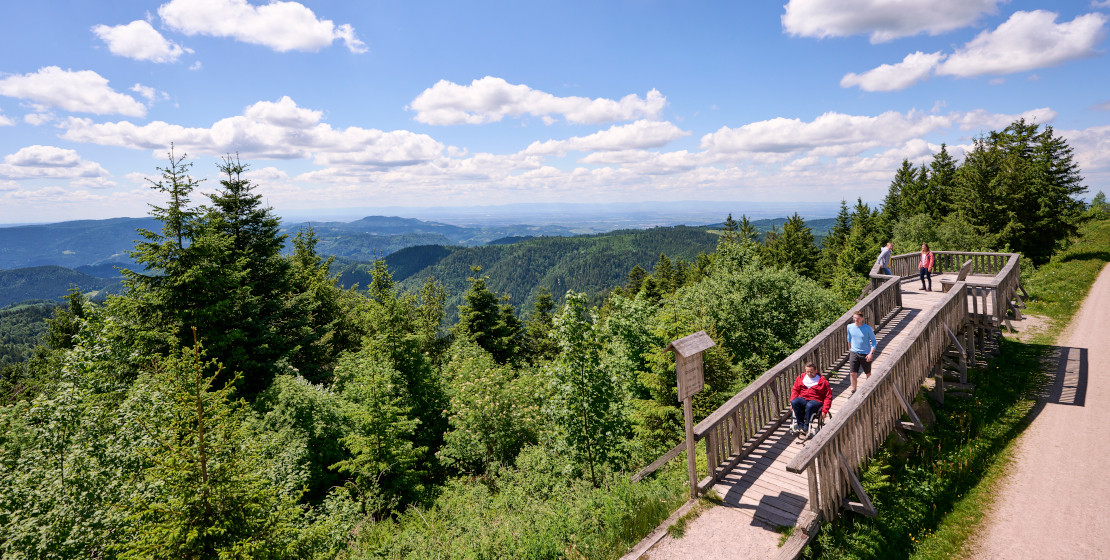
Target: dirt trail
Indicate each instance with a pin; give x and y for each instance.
(1055, 502)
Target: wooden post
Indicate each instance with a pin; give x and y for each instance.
(691, 379)
(691, 446)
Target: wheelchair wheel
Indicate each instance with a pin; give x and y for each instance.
(815, 425)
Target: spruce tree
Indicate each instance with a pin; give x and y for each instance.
(488, 322)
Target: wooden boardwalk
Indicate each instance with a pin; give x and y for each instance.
(759, 487)
(760, 483)
(768, 479)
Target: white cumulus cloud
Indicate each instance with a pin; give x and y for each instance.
(892, 77)
(281, 26)
(82, 91)
(883, 20)
(268, 130)
(1026, 41)
(140, 41)
(829, 131)
(634, 136)
(49, 161)
(490, 99)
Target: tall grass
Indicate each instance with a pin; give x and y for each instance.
(1058, 288)
(531, 511)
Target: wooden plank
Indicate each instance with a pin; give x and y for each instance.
(656, 464)
(915, 422)
(866, 507)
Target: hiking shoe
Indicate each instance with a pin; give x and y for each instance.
(812, 432)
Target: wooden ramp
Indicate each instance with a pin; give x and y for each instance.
(768, 479)
(759, 488)
(760, 483)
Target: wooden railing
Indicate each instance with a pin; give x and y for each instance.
(741, 424)
(989, 300)
(860, 426)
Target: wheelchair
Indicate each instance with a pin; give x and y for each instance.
(815, 424)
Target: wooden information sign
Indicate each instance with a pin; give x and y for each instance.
(691, 379)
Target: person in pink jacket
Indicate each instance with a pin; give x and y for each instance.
(811, 392)
(926, 270)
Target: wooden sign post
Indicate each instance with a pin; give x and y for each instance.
(691, 380)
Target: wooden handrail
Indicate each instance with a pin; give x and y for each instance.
(762, 403)
(749, 417)
(864, 422)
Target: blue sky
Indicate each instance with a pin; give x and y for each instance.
(373, 104)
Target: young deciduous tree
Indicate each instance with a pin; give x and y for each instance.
(586, 401)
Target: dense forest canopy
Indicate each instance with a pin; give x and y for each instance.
(236, 401)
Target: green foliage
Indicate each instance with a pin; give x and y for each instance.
(951, 233)
(494, 411)
(792, 248)
(384, 463)
(539, 345)
(586, 400)
(328, 326)
(531, 511)
(758, 315)
(299, 425)
(489, 323)
(203, 497)
(22, 327)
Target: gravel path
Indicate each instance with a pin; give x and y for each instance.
(1055, 502)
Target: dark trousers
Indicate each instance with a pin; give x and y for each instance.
(926, 274)
(803, 409)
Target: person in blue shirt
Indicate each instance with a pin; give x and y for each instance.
(861, 348)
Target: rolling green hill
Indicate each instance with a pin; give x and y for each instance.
(589, 263)
(71, 244)
(49, 283)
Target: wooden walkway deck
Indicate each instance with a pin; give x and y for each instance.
(758, 494)
(760, 487)
(760, 483)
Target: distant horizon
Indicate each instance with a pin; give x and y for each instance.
(669, 213)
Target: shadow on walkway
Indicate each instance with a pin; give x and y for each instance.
(1067, 377)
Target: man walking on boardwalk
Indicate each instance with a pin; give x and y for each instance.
(861, 348)
(884, 258)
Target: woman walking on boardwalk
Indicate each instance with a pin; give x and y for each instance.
(926, 267)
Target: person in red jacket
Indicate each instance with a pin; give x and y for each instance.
(925, 270)
(811, 392)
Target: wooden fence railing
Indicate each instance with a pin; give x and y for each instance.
(741, 424)
(860, 426)
(989, 300)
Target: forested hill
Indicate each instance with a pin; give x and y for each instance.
(71, 244)
(48, 282)
(588, 263)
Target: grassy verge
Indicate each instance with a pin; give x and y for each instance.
(933, 493)
(1058, 288)
(927, 490)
